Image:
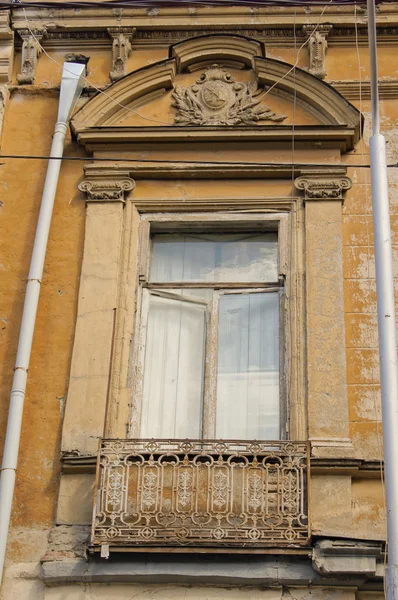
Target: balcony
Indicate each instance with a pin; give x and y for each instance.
(200, 493)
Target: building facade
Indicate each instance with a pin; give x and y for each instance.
(203, 411)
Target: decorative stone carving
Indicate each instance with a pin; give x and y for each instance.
(217, 99)
(321, 187)
(30, 52)
(108, 186)
(317, 45)
(121, 49)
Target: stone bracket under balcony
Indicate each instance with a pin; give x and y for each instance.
(200, 493)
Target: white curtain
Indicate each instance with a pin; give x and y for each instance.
(247, 404)
(174, 369)
(248, 367)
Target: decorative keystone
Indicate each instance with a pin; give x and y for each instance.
(31, 50)
(320, 187)
(317, 44)
(107, 187)
(121, 50)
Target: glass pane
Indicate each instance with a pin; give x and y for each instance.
(248, 367)
(205, 294)
(235, 257)
(173, 374)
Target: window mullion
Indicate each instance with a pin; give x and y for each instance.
(138, 362)
(283, 377)
(210, 380)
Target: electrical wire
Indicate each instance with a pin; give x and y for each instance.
(16, 4)
(62, 67)
(307, 41)
(169, 4)
(293, 250)
(151, 119)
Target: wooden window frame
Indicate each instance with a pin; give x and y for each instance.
(222, 222)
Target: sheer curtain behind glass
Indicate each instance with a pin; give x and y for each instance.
(248, 367)
(214, 258)
(174, 359)
(245, 327)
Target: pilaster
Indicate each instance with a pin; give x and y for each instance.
(326, 358)
(88, 392)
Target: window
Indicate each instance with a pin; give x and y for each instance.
(209, 335)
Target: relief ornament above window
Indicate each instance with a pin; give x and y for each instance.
(216, 98)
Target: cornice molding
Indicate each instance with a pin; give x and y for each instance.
(329, 185)
(356, 90)
(107, 185)
(6, 32)
(319, 97)
(180, 17)
(104, 177)
(235, 51)
(270, 36)
(111, 138)
(100, 120)
(102, 110)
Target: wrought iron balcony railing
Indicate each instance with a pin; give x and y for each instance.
(201, 493)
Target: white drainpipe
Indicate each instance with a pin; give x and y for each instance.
(71, 88)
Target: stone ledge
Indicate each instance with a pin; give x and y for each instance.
(194, 569)
(346, 557)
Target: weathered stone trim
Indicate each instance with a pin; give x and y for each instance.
(6, 48)
(30, 52)
(317, 46)
(121, 50)
(318, 186)
(357, 565)
(107, 186)
(355, 90)
(327, 381)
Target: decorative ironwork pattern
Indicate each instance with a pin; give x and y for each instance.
(201, 493)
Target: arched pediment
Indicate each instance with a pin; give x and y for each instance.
(223, 82)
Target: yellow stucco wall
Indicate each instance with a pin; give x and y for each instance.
(30, 114)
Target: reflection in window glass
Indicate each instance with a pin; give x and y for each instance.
(206, 257)
(248, 367)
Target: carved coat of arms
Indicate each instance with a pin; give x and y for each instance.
(217, 99)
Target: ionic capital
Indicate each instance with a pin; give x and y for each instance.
(107, 186)
(323, 186)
